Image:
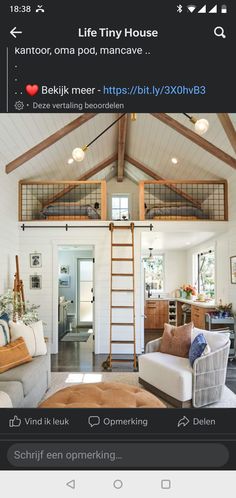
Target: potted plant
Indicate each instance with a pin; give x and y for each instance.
(224, 310)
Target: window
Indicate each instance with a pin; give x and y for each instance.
(120, 207)
(154, 274)
(206, 273)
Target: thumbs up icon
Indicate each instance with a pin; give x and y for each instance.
(15, 422)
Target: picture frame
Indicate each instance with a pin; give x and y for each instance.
(35, 282)
(233, 269)
(36, 260)
(64, 281)
(64, 269)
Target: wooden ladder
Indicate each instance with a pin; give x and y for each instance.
(110, 359)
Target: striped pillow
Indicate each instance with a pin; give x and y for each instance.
(14, 354)
(4, 330)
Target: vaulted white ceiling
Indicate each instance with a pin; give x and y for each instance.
(149, 141)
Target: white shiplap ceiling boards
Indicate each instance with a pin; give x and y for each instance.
(149, 141)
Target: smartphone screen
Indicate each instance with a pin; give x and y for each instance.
(117, 249)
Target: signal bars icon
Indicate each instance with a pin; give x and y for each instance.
(191, 8)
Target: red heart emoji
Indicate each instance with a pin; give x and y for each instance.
(32, 90)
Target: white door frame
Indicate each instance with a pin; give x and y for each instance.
(55, 293)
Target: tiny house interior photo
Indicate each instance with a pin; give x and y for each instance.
(118, 257)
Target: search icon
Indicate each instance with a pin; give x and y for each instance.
(219, 31)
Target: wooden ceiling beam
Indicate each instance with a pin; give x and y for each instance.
(122, 136)
(99, 167)
(47, 142)
(153, 175)
(228, 127)
(195, 138)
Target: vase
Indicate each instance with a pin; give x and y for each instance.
(188, 295)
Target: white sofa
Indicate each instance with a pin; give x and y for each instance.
(173, 378)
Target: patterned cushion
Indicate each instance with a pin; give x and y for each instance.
(4, 330)
(14, 354)
(176, 340)
(199, 347)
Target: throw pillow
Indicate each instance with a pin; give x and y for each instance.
(32, 334)
(14, 354)
(176, 340)
(199, 347)
(4, 330)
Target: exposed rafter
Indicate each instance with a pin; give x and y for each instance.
(122, 135)
(102, 165)
(47, 142)
(153, 175)
(228, 127)
(195, 138)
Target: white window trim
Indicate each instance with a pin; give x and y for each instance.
(121, 194)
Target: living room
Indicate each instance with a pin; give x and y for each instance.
(180, 241)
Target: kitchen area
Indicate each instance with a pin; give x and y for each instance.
(167, 263)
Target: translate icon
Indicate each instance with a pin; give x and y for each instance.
(15, 422)
(183, 422)
(93, 421)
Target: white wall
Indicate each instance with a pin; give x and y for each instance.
(175, 270)
(8, 230)
(125, 187)
(46, 241)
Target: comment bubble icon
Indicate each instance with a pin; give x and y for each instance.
(94, 420)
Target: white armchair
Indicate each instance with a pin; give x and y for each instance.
(173, 378)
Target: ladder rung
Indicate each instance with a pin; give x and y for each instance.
(122, 259)
(122, 227)
(122, 360)
(122, 323)
(122, 245)
(122, 342)
(119, 307)
(122, 290)
(122, 274)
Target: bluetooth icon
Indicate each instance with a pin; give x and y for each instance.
(179, 9)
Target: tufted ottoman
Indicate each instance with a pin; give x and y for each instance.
(102, 395)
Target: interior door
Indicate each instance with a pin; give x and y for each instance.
(85, 292)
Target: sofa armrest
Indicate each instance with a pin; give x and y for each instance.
(209, 374)
(153, 346)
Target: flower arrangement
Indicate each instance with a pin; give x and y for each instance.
(9, 305)
(189, 290)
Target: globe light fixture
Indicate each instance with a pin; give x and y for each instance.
(78, 154)
(201, 125)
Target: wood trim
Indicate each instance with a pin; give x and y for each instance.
(141, 202)
(47, 142)
(20, 201)
(122, 136)
(195, 138)
(201, 182)
(228, 127)
(226, 202)
(103, 200)
(81, 179)
(160, 394)
(158, 178)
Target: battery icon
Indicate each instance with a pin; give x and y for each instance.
(224, 9)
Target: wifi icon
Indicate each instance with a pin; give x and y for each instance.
(191, 8)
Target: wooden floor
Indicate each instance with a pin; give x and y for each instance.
(79, 357)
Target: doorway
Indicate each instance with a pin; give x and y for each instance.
(75, 309)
